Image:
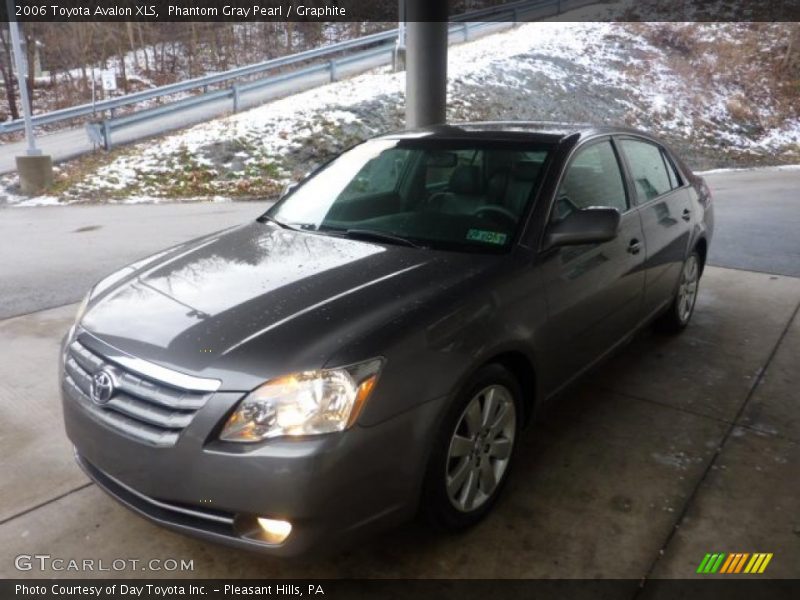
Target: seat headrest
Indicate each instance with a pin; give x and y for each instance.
(526, 170)
(465, 179)
(496, 188)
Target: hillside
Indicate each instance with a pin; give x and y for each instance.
(722, 94)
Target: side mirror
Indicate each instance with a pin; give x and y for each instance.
(586, 226)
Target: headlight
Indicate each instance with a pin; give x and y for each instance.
(71, 333)
(78, 316)
(307, 403)
(82, 308)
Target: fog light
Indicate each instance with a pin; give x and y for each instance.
(275, 532)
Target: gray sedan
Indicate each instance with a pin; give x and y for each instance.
(373, 345)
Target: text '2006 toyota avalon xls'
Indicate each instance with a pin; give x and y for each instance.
(373, 344)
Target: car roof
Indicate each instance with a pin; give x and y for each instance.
(539, 131)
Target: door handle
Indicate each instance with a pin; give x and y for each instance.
(687, 215)
(634, 246)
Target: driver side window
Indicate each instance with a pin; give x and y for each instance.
(593, 178)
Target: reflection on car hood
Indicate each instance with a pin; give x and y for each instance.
(258, 301)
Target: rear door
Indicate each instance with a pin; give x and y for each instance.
(594, 291)
(665, 207)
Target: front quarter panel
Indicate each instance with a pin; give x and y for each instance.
(430, 350)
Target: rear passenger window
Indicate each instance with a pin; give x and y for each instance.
(593, 178)
(647, 169)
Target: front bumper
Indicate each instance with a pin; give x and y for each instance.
(333, 488)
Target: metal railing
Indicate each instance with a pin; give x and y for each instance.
(198, 82)
(377, 44)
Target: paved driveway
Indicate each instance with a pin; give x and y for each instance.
(758, 220)
(51, 255)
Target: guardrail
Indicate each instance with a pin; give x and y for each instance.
(197, 82)
(100, 132)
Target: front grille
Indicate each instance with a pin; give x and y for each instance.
(142, 408)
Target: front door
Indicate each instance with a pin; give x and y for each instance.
(594, 291)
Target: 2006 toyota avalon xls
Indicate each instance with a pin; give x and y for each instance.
(373, 344)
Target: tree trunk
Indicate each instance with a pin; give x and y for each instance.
(144, 49)
(123, 71)
(790, 57)
(192, 48)
(132, 43)
(30, 52)
(8, 73)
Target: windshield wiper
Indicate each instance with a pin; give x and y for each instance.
(380, 236)
(265, 217)
(269, 218)
(355, 233)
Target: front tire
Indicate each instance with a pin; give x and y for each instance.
(680, 311)
(474, 449)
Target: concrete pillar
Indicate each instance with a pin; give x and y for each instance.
(35, 173)
(426, 62)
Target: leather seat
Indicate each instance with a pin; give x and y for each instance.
(497, 187)
(520, 185)
(465, 191)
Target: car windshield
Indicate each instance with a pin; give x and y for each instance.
(446, 194)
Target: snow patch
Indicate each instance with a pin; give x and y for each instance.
(607, 72)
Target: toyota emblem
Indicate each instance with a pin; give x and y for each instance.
(103, 385)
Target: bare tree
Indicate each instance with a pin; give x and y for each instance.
(29, 34)
(159, 51)
(8, 72)
(790, 63)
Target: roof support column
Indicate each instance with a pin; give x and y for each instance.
(426, 62)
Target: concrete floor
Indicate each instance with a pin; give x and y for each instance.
(53, 255)
(676, 447)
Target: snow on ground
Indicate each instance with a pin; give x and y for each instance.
(25, 202)
(586, 71)
(275, 128)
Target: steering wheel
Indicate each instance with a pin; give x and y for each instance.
(492, 212)
(435, 201)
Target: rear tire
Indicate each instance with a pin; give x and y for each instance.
(681, 310)
(473, 450)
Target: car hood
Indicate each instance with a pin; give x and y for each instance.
(259, 301)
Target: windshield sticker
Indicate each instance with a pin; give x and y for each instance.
(488, 237)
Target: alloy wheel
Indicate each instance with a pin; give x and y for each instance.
(687, 291)
(480, 448)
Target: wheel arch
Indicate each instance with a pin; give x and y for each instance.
(701, 246)
(521, 364)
